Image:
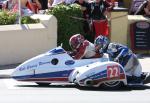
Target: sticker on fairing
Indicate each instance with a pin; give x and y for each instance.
(113, 71)
(69, 62)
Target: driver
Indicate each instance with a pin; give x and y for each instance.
(122, 54)
(81, 48)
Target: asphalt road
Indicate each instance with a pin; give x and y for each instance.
(12, 91)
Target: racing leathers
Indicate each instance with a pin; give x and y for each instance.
(123, 55)
(85, 50)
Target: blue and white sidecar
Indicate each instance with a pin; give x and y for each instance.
(57, 66)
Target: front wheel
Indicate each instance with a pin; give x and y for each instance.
(112, 85)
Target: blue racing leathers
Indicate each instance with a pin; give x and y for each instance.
(123, 55)
(119, 53)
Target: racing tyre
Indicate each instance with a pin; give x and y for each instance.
(112, 85)
(43, 84)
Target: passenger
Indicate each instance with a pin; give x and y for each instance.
(81, 48)
(144, 9)
(123, 55)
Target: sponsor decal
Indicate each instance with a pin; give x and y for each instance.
(43, 63)
(27, 67)
(21, 68)
(142, 25)
(113, 71)
(33, 66)
(69, 62)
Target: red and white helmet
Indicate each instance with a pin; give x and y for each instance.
(76, 40)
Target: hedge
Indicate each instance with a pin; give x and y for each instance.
(67, 26)
(7, 18)
(29, 20)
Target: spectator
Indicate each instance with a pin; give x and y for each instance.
(119, 2)
(44, 4)
(86, 23)
(50, 2)
(7, 5)
(134, 6)
(36, 5)
(56, 2)
(111, 1)
(98, 12)
(144, 9)
(25, 11)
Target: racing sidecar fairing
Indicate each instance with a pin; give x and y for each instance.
(56, 66)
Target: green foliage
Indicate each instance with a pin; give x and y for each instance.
(67, 26)
(29, 20)
(6, 18)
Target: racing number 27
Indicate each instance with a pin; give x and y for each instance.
(113, 71)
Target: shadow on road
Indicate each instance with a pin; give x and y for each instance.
(128, 88)
(4, 76)
(49, 86)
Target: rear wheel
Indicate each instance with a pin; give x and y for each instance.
(112, 85)
(43, 84)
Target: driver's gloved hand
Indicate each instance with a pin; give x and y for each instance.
(116, 60)
(145, 76)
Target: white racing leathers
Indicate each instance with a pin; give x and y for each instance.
(85, 50)
(133, 67)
